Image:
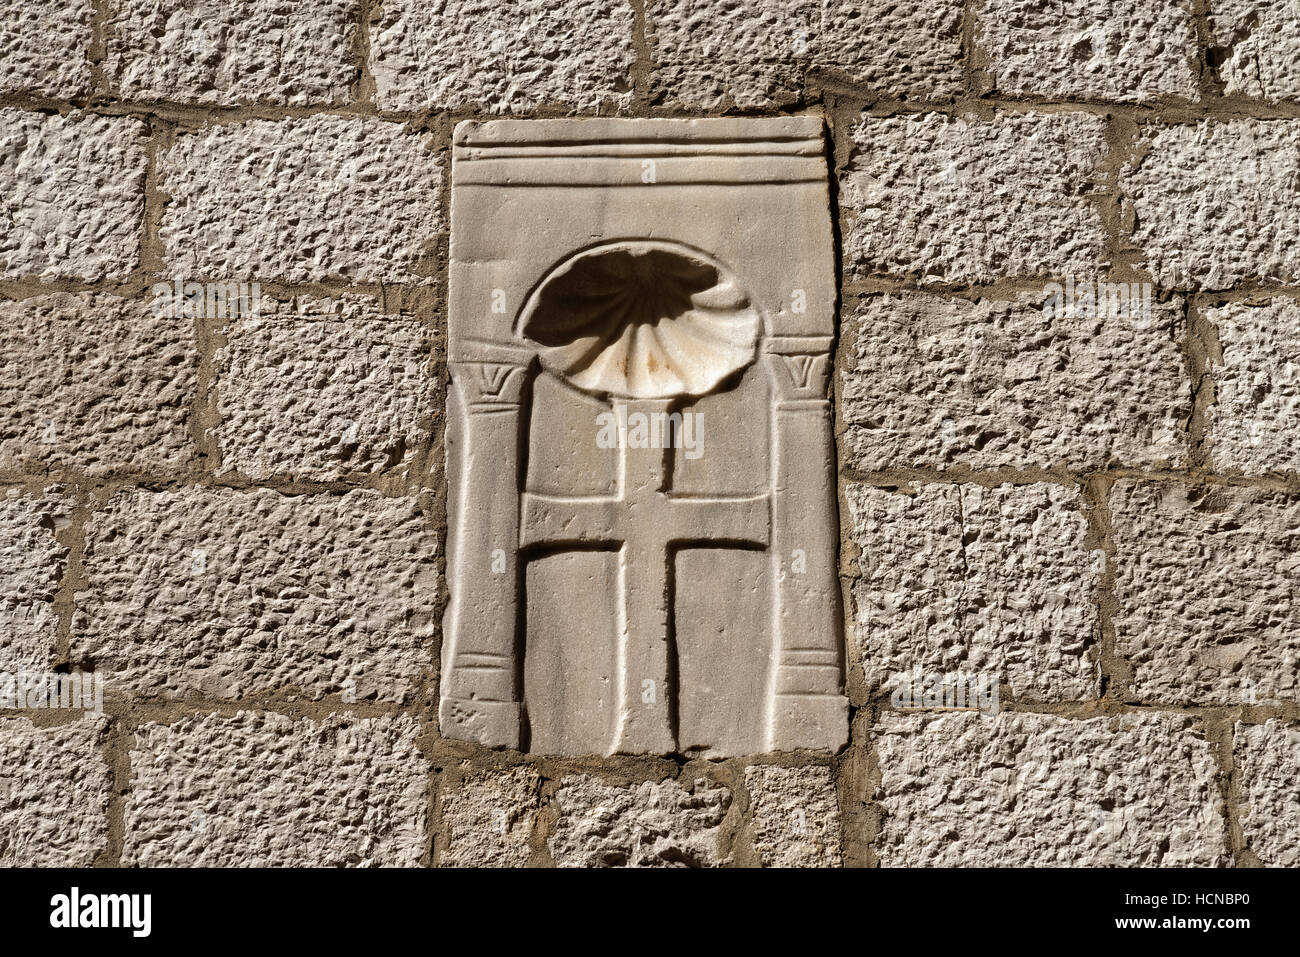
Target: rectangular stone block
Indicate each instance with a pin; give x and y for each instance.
(1033, 383)
(95, 384)
(264, 790)
(502, 58)
(489, 818)
(1255, 416)
(1256, 48)
(963, 578)
(32, 562)
(44, 47)
(227, 594)
(1216, 202)
(960, 199)
(1036, 790)
(1268, 757)
(710, 54)
(1130, 51)
(1207, 609)
(323, 388)
(664, 824)
(795, 816)
(56, 784)
(240, 51)
(303, 199)
(71, 194)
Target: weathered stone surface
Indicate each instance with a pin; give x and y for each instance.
(263, 790)
(1257, 48)
(1216, 203)
(54, 789)
(31, 566)
(502, 58)
(43, 47)
(638, 825)
(1256, 412)
(751, 53)
(575, 334)
(226, 593)
(974, 579)
(796, 818)
(1035, 790)
(988, 384)
(967, 200)
(1131, 51)
(302, 199)
(71, 194)
(95, 383)
(490, 817)
(1268, 757)
(1207, 610)
(240, 51)
(322, 388)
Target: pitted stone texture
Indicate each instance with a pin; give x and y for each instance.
(796, 817)
(323, 388)
(1259, 42)
(263, 790)
(1130, 51)
(988, 384)
(226, 593)
(54, 790)
(95, 383)
(1036, 790)
(301, 200)
(71, 195)
(43, 47)
(502, 58)
(1268, 757)
(245, 51)
(974, 579)
(490, 818)
(754, 53)
(1217, 203)
(1207, 609)
(638, 825)
(1256, 409)
(967, 200)
(31, 566)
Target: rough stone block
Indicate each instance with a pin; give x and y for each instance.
(1217, 203)
(226, 593)
(44, 46)
(1207, 610)
(963, 578)
(502, 58)
(71, 195)
(263, 790)
(1026, 384)
(1256, 44)
(54, 790)
(489, 818)
(1256, 412)
(322, 388)
(95, 384)
(796, 817)
(31, 565)
(303, 199)
(1268, 756)
(1036, 790)
(638, 825)
(958, 199)
(754, 53)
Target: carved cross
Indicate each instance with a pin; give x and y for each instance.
(646, 522)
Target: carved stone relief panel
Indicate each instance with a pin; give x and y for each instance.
(642, 509)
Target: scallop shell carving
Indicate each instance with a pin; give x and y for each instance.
(642, 320)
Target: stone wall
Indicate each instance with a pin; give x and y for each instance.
(239, 524)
